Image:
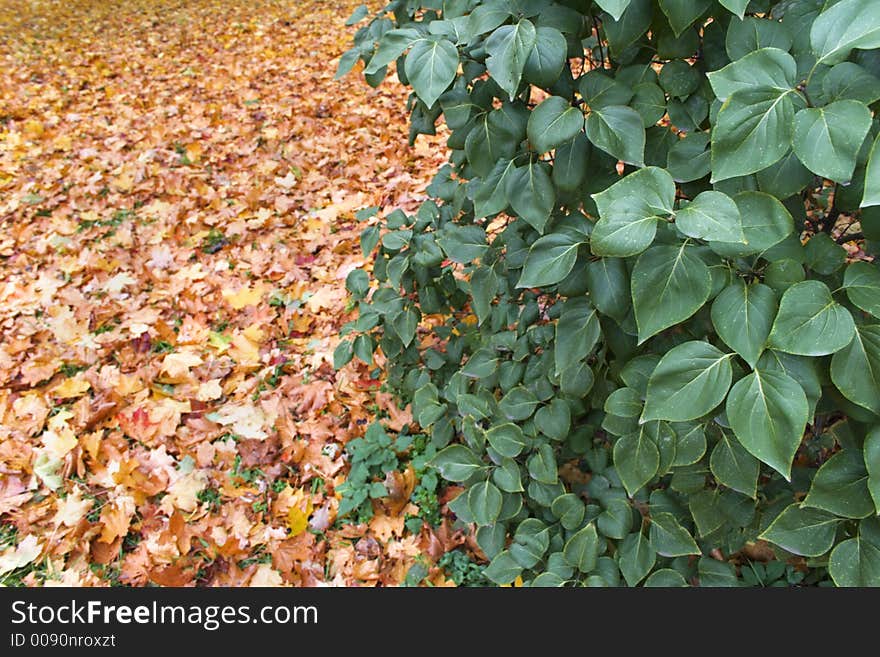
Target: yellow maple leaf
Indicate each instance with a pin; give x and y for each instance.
(246, 296)
(178, 364)
(297, 517)
(72, 387)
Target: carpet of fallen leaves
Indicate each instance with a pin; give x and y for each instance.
(178, 182)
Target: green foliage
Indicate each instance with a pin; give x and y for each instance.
(633, 268)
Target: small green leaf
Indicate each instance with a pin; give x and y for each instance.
(734, 467)
(846, 25)
(827, 139)
(669, 284)
(552, 123)
(743, 315)
(636, 557)
(807, 532)
(841, 486)
(503, 569)
(636, 460)
(551, 258)
(569, 509)
(872, 464)
(768, 412)
(712, 216)
(855, 369)
(509, 47)
(484, 502)
(862, 283)
(582, 549)
(619, 131)
(614, 7)
(430, 67)
(767, 67)
(518, 404)
(616, 520)
(856, 562)
(531, 194)
(627, 229)
(691, 379)
(507, 439)
(456, 463)
(577, 332)
(669, 538)
(810, 322)
(753, 130)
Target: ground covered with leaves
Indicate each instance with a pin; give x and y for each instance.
(179, 185)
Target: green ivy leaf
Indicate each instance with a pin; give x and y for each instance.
(627, 229)
(712, 216)
(807, 532)
(456, 463)
(768, 67)
(669, 538)
(552, 123)
(669, 284)
(734, 467)
(509, 47)
(690, 380)
(569, 509)
(856, 562)
(871, 195)
(614, 7)
(855, 369)
(582, 549)
(431, 66)
(768, 412)
(577, 332)
(503, 569)
(550, 259)
(616, 520)
(618, 131)
(841, 486)
(636, 558)
(872, 464)
(531, 194)
(484, 502)
(846, 25)
(743, 315)
(862, 283)
(636, 459)
(810, 322)
(753, 130)
(827, 139)
(683, 13)
(507, 439)
(518, 404)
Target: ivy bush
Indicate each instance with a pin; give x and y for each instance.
(626, 319)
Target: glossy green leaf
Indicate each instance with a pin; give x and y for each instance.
(734, 467)
(627, 228)
(531, 194)
(669, 538)
(636, 459)
(552, 123)
(456, 463)
(841, 486)
(846, 25)
(862, 283)
(803, 531)
(827, 139)
(431, 66)
(636, 558)
(856, 562)
(871, 196)
(669, 284)
(614, 7)
(507, 439)
(618, 131)
(768, 412)
(771, 68)
(484, 502)
(855, 369)
(550, 259)
(743, 315)
(810, 322)
(582, 549)
(872, 464)
(690, 380)
(711, 216)
(753, 130)
(509, 47)
(683, 13)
